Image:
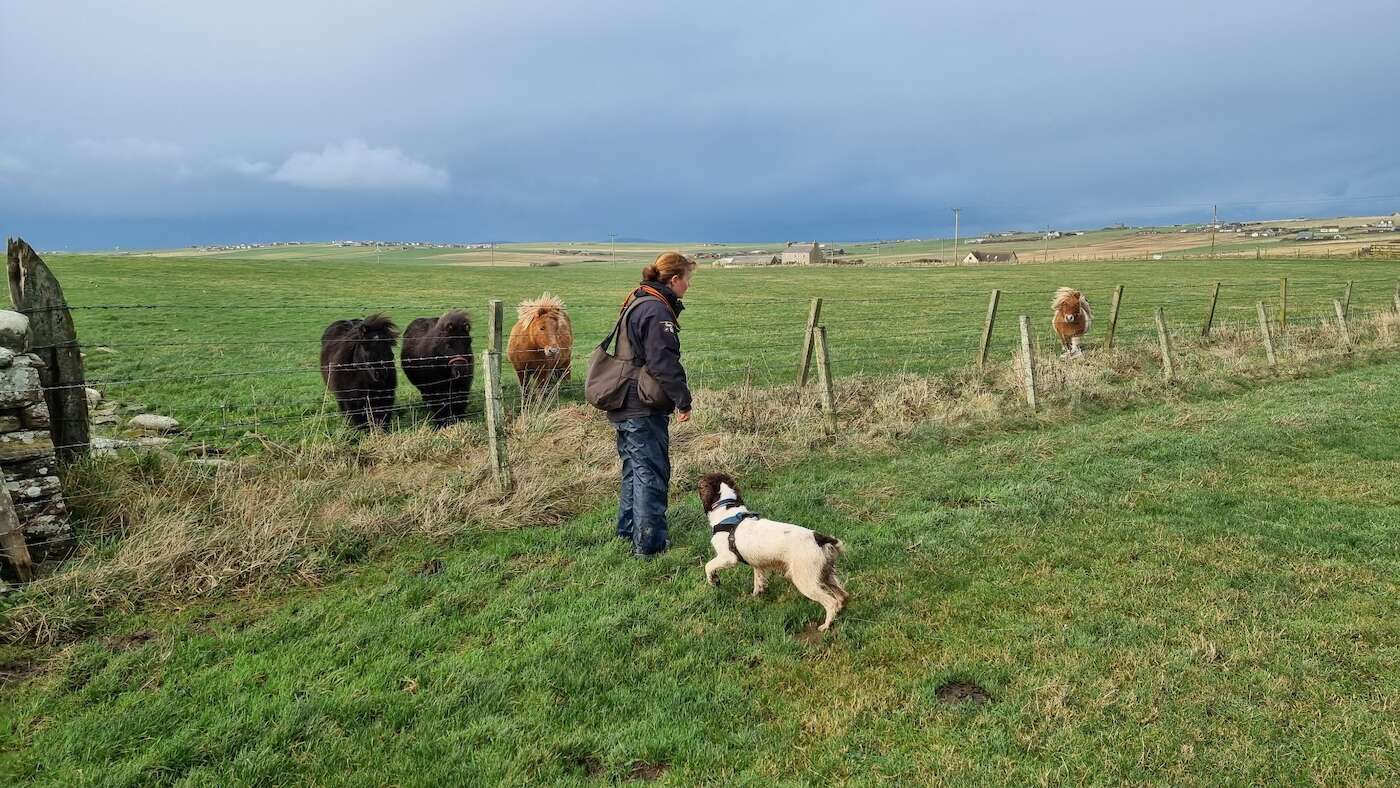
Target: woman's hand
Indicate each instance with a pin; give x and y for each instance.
(682, 415)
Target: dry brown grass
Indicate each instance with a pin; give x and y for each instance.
(157, 527)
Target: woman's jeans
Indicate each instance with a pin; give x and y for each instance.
(644, 444)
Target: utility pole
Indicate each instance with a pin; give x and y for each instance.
(493, 254)
(612, 239)
(1214, 224)
(1046, 257)
(957, 215)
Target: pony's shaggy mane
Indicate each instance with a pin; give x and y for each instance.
(380, 323)
(545, 303)
(456, 321)
(1064, 294)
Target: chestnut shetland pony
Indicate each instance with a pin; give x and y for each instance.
(1072, 319)
(541, 344)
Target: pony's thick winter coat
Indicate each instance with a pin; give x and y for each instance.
(1072, 318)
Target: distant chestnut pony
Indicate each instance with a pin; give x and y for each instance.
(1072, 319)
(437, 358)
(357, 364)
(541, 344)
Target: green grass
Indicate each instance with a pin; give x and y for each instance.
(1192, 593)
(231, 344)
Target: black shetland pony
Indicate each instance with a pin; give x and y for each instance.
(437, 358)
(357, 364)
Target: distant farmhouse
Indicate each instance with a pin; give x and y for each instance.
(797, 253)
(741, 260)
(977, 258)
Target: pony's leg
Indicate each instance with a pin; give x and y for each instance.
(1074, 347)
(457, 404)
(435, 407)
(382, 408)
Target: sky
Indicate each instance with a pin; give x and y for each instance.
(159, 124)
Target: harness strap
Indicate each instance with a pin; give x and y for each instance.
(728, 524)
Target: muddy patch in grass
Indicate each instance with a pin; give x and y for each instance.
(810, 634)
(431, 567)
(590, 765)
(130, 641)
(15, 671)
(956, 692)
(642, 770)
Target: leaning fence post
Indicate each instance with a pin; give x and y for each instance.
(1165, 342)
(824, 375)
(1028, 362)
(1346, 300)
(1342, 325)
(12, 543)
(1283, 304)
(1210, 315)
(987, 329)
(807, 338)
(1268, 336)
(1113, 316)
(495, 411)
(36, 293)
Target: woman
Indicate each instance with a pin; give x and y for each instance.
(643, 437)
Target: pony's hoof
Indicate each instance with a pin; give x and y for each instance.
(713, 581)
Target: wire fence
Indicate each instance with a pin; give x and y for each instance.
(233, 371)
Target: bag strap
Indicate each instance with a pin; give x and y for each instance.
(620, 332)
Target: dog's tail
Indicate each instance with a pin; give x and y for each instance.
(830, 545)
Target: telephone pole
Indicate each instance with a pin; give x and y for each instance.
(612, 239)
(957, 215)
(1214, 224)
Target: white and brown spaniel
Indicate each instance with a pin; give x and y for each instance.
(738, 535)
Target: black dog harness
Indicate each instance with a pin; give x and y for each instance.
(728, 524)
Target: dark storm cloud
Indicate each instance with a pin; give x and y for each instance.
(162, 123)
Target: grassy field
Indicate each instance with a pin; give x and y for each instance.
(1197, 592)
(230, 345)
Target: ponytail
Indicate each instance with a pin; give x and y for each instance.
(667, 265)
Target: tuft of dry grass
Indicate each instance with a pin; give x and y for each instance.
(155, 526)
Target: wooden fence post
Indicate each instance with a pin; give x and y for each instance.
(824, 375)
(1397, 297)
(1165, 342)
(36, 293)
(495, 410)
(1342, 325)
(1210, 315)
(1268, 336)
(1346, 300)
(1028, 363)
(12, 544)
(987, 329)
(1113, 316)
(1283, 304)
(807, 339)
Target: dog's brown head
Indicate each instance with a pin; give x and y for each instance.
(710, 490)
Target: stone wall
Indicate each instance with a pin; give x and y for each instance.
(26, 449)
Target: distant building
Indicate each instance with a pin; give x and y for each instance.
(976, 258)
(797, 253)
(743, 260)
